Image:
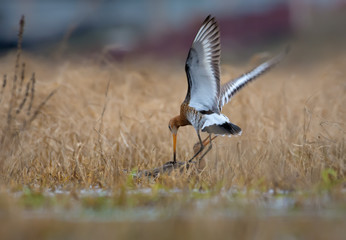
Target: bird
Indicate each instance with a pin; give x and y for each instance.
(205, 96)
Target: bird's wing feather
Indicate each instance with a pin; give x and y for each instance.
(203, 68)
(229, 89)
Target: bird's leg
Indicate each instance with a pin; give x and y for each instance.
(200, 150)
(209, 148)
(206, 141)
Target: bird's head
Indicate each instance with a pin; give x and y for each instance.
(173, 126)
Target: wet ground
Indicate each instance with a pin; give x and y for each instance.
(148, 204)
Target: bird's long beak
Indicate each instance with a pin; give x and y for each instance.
(174, 146)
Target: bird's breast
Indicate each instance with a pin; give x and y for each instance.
(195, 118)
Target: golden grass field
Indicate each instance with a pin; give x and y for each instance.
(292, 120)
(293, 145)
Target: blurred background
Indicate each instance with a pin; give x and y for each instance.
(166, 28)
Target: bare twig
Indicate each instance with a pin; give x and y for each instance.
(20, 40)
(3, 86)
(37, 111)
(13, 98)
(100, 141)
(42, 104)
(22, 76)
(21, 105)
(14, 86)
(33, 80)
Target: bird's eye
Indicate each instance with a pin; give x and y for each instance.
(170, 129)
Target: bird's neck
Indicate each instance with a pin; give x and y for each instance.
(180, 121)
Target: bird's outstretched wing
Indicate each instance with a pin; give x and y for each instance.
(203, 68)
(232, 87)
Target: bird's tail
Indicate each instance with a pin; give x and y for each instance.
(226, 128)
(219, 124)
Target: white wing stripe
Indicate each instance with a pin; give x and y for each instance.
(232, 87)
(205, 30)
(241, 81)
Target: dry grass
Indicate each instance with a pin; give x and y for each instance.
(293, 125)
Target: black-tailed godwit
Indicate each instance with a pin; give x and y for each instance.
(205, 98)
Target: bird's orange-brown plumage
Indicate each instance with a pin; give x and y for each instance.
(181, 120)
